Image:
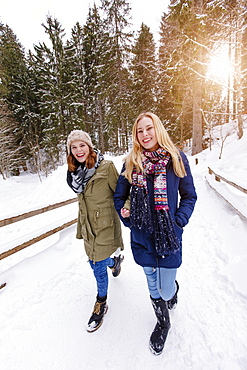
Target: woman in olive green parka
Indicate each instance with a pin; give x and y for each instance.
(94, 180)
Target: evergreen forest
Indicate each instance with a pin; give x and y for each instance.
(101, 76)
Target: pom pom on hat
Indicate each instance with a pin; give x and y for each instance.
(78, 135)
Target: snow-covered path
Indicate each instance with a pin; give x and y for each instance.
(50, 295)
(214, 298)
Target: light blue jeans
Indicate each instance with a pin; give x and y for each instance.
(161, 282)
(101, 274)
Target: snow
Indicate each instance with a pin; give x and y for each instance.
(51, 290)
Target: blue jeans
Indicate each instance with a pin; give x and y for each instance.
(161, 282)
(101, 275)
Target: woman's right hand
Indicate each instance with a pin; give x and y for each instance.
(125, 212)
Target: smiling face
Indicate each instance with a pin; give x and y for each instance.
(80, 150)
(146, 134)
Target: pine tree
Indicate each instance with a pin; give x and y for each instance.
(174, 76)
(191, 34)
(79, 104)
(55, 80)
(10, 152)
(244, 67)
(97, 53)
(15, 90)
(188, 36)
(117, 15)
(237, 11)
(144, 72)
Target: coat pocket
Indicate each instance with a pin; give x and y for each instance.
(104, 226)
(81, 227)
(178, 230)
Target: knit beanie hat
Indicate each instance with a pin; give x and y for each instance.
(78, 135)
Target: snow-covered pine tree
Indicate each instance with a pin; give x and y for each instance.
(144, 72)
(55, 79)
(118, 114)
(244, 67)
(10, 152)
(16, 90)
(78, 104)
(236, 11)
(174, 75)
(97, 56)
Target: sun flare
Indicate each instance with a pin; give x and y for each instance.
(219, 65)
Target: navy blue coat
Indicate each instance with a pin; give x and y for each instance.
(181, 201)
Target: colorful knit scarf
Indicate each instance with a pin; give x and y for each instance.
(158, 220)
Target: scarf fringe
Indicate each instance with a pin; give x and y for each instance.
(165, 237)
(140, 209)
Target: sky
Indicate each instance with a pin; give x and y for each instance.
(50, 291)
(25, 17)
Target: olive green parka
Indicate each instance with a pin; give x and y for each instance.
(98, 222)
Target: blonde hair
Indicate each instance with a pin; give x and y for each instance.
(134, 158)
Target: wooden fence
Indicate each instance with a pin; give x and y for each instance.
(241, 188)
(11, 220)
(219, 178)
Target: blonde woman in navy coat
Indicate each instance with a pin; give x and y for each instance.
(156, 177)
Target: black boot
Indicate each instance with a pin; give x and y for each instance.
(96, 319)
(116, 269)
(158, 336)
(172, 303)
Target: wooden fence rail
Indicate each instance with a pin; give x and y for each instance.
(234, 206)
(37, 239)
(11, 220)
(219, 177)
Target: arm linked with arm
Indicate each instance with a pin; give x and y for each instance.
(121, 198)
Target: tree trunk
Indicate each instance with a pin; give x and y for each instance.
(197, 91)
(197, 119)
(239, 92)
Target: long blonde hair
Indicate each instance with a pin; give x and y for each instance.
(134, 158)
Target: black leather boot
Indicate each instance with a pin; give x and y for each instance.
(158, 336)
(116, 269)
(96, 319)
(172, 303)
